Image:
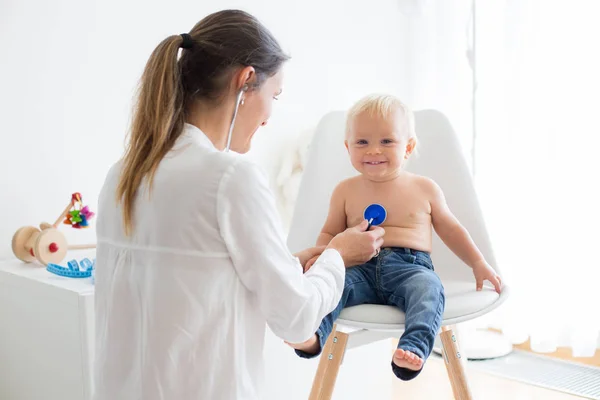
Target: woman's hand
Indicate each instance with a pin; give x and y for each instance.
(307, 254)
(356, 245)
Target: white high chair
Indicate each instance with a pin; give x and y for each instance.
(439, 157)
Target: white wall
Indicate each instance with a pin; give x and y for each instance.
(68, 69)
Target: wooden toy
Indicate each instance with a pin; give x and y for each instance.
(47, 244)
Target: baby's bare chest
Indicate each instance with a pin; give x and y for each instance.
(405, 206)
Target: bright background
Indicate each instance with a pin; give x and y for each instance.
(69, 69)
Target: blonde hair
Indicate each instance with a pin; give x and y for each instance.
(170, 84)
(381, 105)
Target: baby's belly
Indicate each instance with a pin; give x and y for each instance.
(413, 238)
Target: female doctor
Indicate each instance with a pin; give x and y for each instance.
(191, 260)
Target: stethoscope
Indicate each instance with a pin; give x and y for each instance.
(235, 111)
(375, 214)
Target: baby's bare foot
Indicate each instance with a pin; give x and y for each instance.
(407, 359)
(311, 346)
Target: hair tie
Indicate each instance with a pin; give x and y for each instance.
(187, 41)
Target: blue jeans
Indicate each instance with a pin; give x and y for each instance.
(399, 277)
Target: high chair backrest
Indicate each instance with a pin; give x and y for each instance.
(439, 156)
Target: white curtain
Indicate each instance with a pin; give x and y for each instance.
(538, 165)
(438, 61)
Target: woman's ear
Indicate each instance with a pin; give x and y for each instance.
(244, 79)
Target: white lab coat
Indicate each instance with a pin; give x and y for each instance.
(181, 305)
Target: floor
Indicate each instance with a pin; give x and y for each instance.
(565, 353)
(483, 386)
(433, 384)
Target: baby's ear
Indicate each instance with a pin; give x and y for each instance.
(411, 145)
(346, 144)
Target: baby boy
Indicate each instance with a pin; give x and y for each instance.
(380, 137)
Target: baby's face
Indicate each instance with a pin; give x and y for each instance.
(378, 146)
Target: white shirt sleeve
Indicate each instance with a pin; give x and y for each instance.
(292, 303)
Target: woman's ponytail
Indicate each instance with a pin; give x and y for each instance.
(157, 122)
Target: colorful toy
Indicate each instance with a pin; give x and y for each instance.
(47, 244)
(375, 214)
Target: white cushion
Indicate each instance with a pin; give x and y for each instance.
(463, 302)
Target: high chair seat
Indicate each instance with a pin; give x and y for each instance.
(462, 303)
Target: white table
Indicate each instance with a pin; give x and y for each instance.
(46, 332)
(46, 344)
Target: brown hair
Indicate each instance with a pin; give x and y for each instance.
(216, 46)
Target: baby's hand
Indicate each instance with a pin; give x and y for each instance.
(307, 254)
(310, 262)
(482, 272)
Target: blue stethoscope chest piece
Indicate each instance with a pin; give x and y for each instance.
(375, 214)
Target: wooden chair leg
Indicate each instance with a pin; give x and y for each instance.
(329, 366)
(455, 365)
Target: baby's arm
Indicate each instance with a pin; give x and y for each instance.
(449, 229)
(336, 219)
(457, 238)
